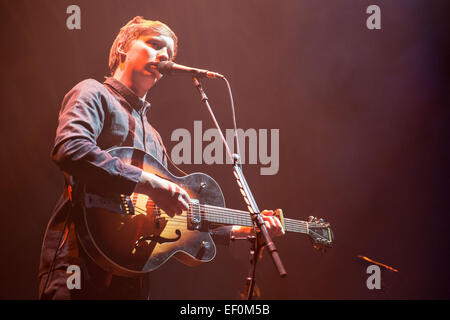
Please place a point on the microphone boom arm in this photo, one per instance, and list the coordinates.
(256, 217)
(169, 68)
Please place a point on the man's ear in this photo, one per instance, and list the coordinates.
(121, 51)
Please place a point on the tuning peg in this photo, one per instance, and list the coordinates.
(321, 220)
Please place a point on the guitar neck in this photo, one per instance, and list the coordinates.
(225, 216)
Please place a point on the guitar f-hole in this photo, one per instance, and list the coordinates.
(157, 238)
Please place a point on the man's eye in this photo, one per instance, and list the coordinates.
(153, 43)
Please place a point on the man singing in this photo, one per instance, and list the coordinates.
(95, 117)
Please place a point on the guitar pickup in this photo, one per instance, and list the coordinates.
(194, 219)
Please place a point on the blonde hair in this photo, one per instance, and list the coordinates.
(132, 31)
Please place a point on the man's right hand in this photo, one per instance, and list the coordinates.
(166, 194)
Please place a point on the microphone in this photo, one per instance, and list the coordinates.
(168, 67)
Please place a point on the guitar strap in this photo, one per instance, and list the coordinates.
(72, 193)
(165, 151)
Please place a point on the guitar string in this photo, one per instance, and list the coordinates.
(223, 212)
(183, 221)
(233, 217)
(219, 213)
(225, 216)
(291, 225)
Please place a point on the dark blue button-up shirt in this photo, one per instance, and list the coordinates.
(95, 117)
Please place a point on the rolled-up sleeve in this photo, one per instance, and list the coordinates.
(76, 152)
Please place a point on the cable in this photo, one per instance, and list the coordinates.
(60, 243)
(230, 94)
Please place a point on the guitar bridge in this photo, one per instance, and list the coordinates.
(194, 215)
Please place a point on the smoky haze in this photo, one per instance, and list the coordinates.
(362, 118)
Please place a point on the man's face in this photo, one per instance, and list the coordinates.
(145, 52)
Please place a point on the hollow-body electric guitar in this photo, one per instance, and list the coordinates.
(130, 235)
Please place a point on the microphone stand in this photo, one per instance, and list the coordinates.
(262, 237)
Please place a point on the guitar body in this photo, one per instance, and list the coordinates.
(129, 236)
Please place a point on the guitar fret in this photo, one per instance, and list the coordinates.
(227, 216)
(236, 217)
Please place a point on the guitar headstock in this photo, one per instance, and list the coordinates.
(320, 233)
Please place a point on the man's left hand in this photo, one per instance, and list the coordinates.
(271, 221)
(273, 224)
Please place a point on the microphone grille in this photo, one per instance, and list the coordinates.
(165, 67)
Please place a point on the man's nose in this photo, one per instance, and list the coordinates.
(162, 55)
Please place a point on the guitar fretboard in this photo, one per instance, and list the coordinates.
(227, 216)
(218, 215)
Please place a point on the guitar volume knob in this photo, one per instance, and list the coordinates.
(205, 244)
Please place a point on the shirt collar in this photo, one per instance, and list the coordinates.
(130, 97)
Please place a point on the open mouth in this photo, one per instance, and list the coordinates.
(152, 67)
